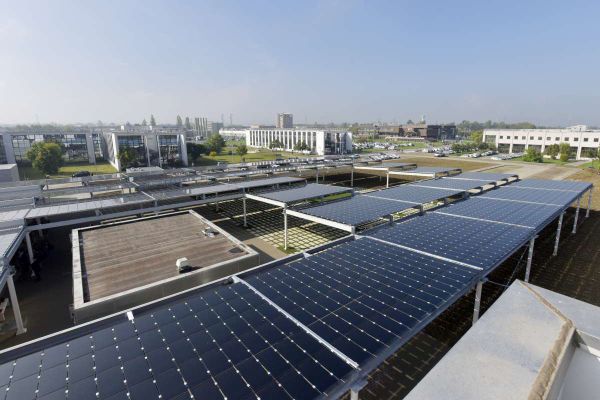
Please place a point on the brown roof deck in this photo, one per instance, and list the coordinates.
(125, 256)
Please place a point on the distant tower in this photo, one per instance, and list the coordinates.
(230, 119)
(285, 121)
(422, 119)
(222, 119)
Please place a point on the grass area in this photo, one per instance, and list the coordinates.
(546, 161)
(446, 162)
(592, 164)
(290, 249)
(261, 155)
(28, 172)
(592, 176)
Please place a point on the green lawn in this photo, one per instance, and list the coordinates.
(592, 164)
(28, 172)
(546, 161)
(261, 155)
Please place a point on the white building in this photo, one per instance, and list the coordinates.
(583, 141)
(320, 142)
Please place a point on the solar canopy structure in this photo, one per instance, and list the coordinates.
(386, 167)
(497, 177)
(428, 172)
(312, 325)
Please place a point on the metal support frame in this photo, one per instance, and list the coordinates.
(14, 302)
(576, 216)
(29, 248)
(557, 239)
(477, 306)
(244, 207)
(356, 388)
(285, 228)
(317, 178)
(589, 205)
(387, 179)
(529, 259)
(39, 221)
(352, 177)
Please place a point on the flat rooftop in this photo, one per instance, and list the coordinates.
(128, 255)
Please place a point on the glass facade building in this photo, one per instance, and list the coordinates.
(74, 146)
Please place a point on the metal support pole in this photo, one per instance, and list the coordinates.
(387, 180)
(587, 213)
(391, 219)
(576, 215)
(244, 206)
(285, 229)
(352, 177)
(356, 388)
(217, 206)
(421, 210)
(560, 220)
(14, 302)
(39, 222)
(317, 175)
(29, 248)
(477, 301)
(529, 258)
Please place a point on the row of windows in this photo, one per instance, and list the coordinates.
(548, 138)
(74, 146)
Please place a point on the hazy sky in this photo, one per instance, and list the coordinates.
(116, 61)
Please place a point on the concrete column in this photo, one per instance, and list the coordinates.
(529, 259)
(560, 220)
(29, 248)
(477, 306)
(587, 213)
(244, 206)
(510, 148)
(576, 216)
(285, 229)
(387, 179)
(182, 150)
(14, 302)
(579, 149)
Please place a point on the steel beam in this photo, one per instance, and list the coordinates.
(529, 259)
(477, 306)
(352, 177)
(285, 229)
(560, 221)
(387, 179)
(576, 216)
(29, 248)
(14, 302)
(589, 205)
(244, 207)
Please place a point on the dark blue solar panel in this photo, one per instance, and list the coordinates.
(431, 170)
(479, 243)
(364, 295)
(415, 194)
(456, 184)
(553, 185)
(223, 343)
(308, 191)
(357, 210)
(560, 198)
(482, 176)
(512, 212)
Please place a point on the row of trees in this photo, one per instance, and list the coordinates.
(188, 124)
(298, 146)
(468, 147)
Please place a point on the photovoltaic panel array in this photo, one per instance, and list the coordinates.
(552, 185)
(428, 170)
(478, 243)
(309, 191)
(364, 297)
(221, 343)
(415, 194)
(357, 210)
(482, 176)
(452, 184)
(535, 196)
(509, 212)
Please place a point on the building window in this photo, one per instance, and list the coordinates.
(585, 139)
(2, 152)
(596, 140)
(74, 146)
(99, 146)
(530, 137)
(566, 139)
(547, 137)
(501, 137)
(523, 137)
(576, 139)
(557, 139)
(539, 138)
(516, 137)
(136, 143)
(169, 150)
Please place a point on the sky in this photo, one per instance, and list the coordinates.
(326, 61)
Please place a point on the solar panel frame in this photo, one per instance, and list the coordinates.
(495, 177)
(536, 196)
(309, 191)
(544, 184)
(415, 194)
(462, 185)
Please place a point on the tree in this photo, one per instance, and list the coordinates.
(410, 122)
(215, 143)
(144, 123)
(533, 155)
(152, 120)
(276, 144)
(188, 125)
(565, 152)
(242, 150)
(45, 157)
(127, 157)
(477, 136)
(195, 150)
(179, 121)
(552, 151)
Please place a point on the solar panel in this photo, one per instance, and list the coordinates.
(511, 212)
(552, 185)
(414, 194)
(363, 296)
(89, 205)
(357, 210)
(482, 176)
(477, 243)
(267, 182)
(428, 170)
(560, 198)
(459, 185)
(222, 343)
(309, 191)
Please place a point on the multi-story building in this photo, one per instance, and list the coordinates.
(584, 142)
(318, 141)
(424, 131)
(214, 127)
(155, 146)
(285, 121)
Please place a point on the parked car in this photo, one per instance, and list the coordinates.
(81, 174)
